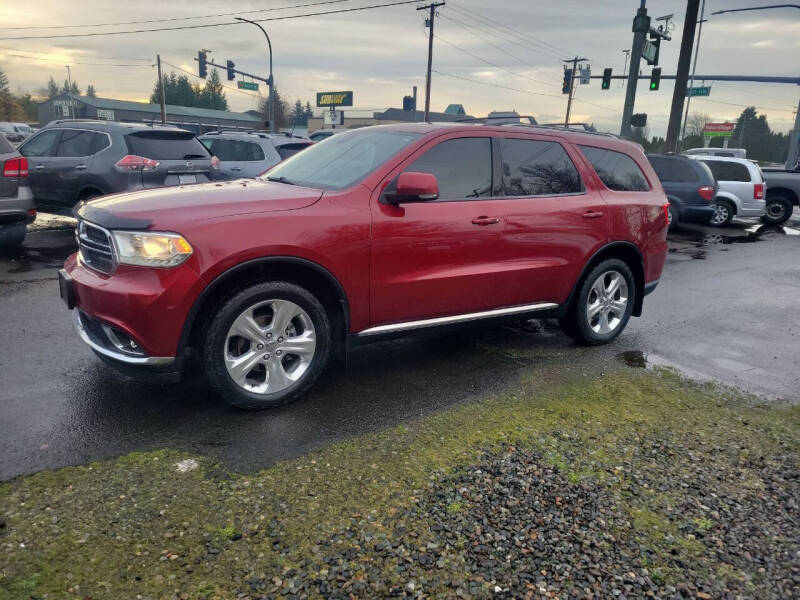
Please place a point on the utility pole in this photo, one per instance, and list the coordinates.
(574, 62)
(271, 81)
(69, 92)
(694, 70)
(794, 142)
(162, 94)
(414, 114)
(641, 25)
(682, 75)
(432, 7)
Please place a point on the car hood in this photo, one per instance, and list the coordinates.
(172, 206)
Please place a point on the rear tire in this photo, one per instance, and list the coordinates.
(266, 345)
(723, 213)
(602, 304)
(12, 236)
(779, 210)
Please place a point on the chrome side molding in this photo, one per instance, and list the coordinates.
(487, 314)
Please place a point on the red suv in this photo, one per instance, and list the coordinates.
(370, 233)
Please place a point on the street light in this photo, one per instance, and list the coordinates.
(730, 10)
(271, 84)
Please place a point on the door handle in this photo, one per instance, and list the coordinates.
(80, 167)
(592, 214)
(236, 168)
(485, 220)
(38, 168)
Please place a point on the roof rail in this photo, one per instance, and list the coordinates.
(59, 121)
(562, 128)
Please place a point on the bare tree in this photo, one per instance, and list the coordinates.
(696, 122)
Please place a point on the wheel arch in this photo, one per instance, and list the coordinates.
(733, 199)
(89, 187)
(313, 276)
(625, 251)
(784, 192)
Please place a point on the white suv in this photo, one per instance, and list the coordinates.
(741, 188)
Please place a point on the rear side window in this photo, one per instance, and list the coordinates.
(536, 168)
(235, 150)
(287, 150)
(673, 169)
(41, 145)
(165, 145)
(728, 171)
(463, 167)
(617, 170)
(5, 145)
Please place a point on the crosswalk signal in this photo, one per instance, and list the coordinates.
(202, 67)
(231, 73)
(655, 79)
(567, 81)
(606, 79)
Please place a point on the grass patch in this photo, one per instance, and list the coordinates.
(136, 526)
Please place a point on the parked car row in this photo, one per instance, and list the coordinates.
(16, 132)
(16, 200)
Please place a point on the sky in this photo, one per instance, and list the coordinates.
(488, 54)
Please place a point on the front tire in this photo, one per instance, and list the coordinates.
(602, 305)
(779, 209)
(723, 213)
(266, 345)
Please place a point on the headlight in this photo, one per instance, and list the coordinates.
(151, 248)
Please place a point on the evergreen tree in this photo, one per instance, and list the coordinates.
(74, 89)
(213, 94)
(28, 105)
(299, 118)
(10, 110)
(52, 88)
(90, 91)
(309, 111)
(3, 81)
(177, 91)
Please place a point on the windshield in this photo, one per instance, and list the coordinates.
(341, 160)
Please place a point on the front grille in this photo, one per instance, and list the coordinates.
(95, 247)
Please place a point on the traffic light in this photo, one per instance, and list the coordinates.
(606, 79)
(638, 119)
(409, 104)
(202, 67)
(567, 81)
(231, 73)
(655, 79)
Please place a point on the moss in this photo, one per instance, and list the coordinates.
(137, 526)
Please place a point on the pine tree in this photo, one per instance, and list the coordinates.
(298, 115)
(90, 91)
(309, 111)
(74, 89)
(3, 81)
(52, 88)
(213, 94)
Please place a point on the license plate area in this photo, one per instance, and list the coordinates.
(183, 179)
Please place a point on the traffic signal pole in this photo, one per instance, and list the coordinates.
(161, 96)
(682, 75)
(571, 86)
(641, 25)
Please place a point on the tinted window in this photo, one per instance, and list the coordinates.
(41, 144)
(235, 150)
(617, 170)
(536, 168)
(75, 143)
(5, 145)
(287, 150)
(101, 142)
(166, 145)
(728, 171)
(343, 160)
(673, 169)
(463, 167)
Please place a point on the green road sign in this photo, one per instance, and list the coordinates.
(334, 98)
(698, 91)
(247, 85)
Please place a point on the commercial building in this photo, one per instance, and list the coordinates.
(199, 120)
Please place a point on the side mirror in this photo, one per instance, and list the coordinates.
(414, 187)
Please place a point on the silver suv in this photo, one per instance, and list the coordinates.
(250, 154)
(741, 188)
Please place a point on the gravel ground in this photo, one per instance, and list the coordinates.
(630, 486)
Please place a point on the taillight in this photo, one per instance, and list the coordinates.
(16, 167)
(31, 212)
(706, 192)
(214, 162)
(758, 191)
(666, 212)
(132, 162)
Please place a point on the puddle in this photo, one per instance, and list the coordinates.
(41, 250)
(633, 358)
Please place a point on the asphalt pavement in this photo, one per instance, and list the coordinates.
(725, 311)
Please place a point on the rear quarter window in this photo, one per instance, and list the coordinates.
(617, 170)
(166, 145)
(680, 170)
(287, 150)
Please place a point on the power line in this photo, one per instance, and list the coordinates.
(244, 12)
(233, 89)
(208, 25)
(740, 105)
(72, 62)
(497, 85)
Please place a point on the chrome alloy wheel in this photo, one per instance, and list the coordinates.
(269, 346)
(721, 214)
(607, 302)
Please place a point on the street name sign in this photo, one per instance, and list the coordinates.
(247, 85)
(698, 91)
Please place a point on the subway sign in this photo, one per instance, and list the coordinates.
(334, 98)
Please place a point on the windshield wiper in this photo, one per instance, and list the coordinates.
(281, 179)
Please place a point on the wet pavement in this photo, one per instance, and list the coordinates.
(725, 311)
